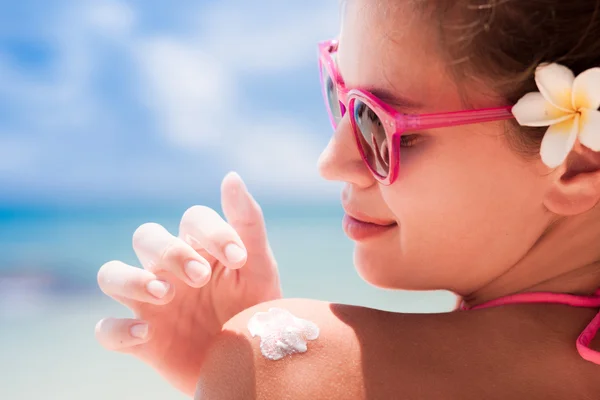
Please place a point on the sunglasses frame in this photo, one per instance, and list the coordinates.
(395, 123)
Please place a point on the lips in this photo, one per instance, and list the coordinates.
(369, 220)
(359, 231)
(361, 227)
(361, 217)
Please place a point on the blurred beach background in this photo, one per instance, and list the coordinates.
(116, 113)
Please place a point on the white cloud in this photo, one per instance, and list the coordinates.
(60, 101)
(194, 98)
(111, 17)
(281, 154)
(188, 89)
(189, 82)
(191, 85)
(284, 37)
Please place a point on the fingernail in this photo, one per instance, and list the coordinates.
(196, 271)
(158, 289)
(234, 253)
(139, 331)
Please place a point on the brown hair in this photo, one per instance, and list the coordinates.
(501, 42)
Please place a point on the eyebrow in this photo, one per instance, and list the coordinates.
(394, 99)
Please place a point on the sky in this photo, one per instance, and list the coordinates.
(105, 101)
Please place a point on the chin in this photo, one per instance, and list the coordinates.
(374, 270)
(386, 271)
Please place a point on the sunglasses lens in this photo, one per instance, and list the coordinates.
(330, 92)
(372, 137)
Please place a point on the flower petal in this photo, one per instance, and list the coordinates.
(534, 110)
(589, 129)
(586, 90)
(555, 82)
(558, 141)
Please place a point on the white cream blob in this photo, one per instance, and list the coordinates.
(281, 333)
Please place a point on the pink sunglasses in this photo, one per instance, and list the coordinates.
(377, 126)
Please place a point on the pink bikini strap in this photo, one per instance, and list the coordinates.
(586, 337)
(588, 334)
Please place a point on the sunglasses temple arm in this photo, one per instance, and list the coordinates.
(443, 120)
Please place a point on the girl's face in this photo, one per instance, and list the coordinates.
(466, 206)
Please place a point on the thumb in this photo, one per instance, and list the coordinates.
(244, 214)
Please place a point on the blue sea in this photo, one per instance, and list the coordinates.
(49, 302)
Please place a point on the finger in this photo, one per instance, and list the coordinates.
(204, 228)
(246, 217)
(158, 250)
(243, 212)
(121, 334)
(121, 281)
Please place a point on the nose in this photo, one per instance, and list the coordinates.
(341, 160)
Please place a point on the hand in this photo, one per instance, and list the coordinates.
(190, 285)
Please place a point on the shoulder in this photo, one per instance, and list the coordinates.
(360, 353)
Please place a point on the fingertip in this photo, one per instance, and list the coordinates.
(159, 289)
(233, 181)
(236, 255)
(121, 334)
(103, 328)
(198, 273)
(98, 327)
(233, 175)
(101, 333)
(104, 272)
(238, 204)
(139, 331)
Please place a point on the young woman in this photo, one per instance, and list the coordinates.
(467, 133)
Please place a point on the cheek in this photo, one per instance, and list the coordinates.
(457, 213)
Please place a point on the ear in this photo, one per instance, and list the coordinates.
(575, 187)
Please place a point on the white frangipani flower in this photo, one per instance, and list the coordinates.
(568, 105)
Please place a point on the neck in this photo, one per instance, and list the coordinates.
(566, 259)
